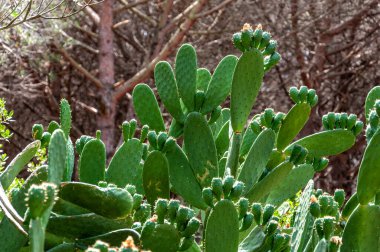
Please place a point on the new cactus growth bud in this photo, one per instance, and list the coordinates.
(271, 227)
(126, 129)
(319, 227)
(246, 36)
(192, 227)
(258, 37)
(303, 93)
(331, 120)
(161, 140)
(236, 39)
(343, 120)
(328, 227)
(137, 200)
(265, 38)
(208, 197)
(182, 217)
(318, 192)
(271, 61)
(152, 138)
(351, 121)
(148, 228)
(173, 207)
(243, 205)
(169, 144)
(271, 48)
(237, 190)
(37, 131)
(293, 93)
(358, 127)
(144, 133)
(267, 213)
(324, 203)
(315, 209)
(160, 209)
(373, 119)
(268, 117)
(257, 211)
(247, 222)
(339, 196)
(337, 121)
(228, 183)
(217, 187)
(255, 126)
(132, 128)
(53, 125)
(45, 139)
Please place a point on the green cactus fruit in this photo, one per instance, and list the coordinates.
(301, 157)
(270, 48)
(220, 85)
(192, 227)
(255, 126)
(246, 222)
(222, 234)
(246, 83)
(18, 163)
(161, 140)
(265, 38)
(258, 156)
(146, 107)
(331, 120)
(335, 243)
(319, 227)
(115, 202)
(168, 91)
(294, 94)
(132, 128)
(228, 183)
(156, 177)
(243, 205)
(303, 92)
(152, 138)
(372, 97)
(53, 125)
(186, 243)
(325, 123)
(246, 36)
(369, 176)
(35, 201)
(271, 227)
(268, 117)
(311, 93)
(65, 117)
(315, 209)
(81, 142)
(257, 211)
(183, 216)
(137, 200)
(208, 197)
(337, 121)
(339, 196)
(217, 187)
(130, 188)
(326, 143)
(142, 213)
(92, 162)
(267, 213)
(358, 128)
(324, 203)
(169, 144)
(215, 114)
(186, 74)
(343, 120)
(37, 131)
(200, 148)
(328, 227)
(183, 180)
(277, 121)
(236, 40)
(124, 167)
(278, 242)
(203, 79)
(125, 130)
(144, 133)
(351, 121)
(320, 164)
(173, 207)
(161, 209)
(295, 153)
(237, 190)
(292, 124)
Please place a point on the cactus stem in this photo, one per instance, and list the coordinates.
(233, 156)
(37, 235)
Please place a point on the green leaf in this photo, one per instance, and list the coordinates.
(146, 107)
(293, 123)
(246, 83)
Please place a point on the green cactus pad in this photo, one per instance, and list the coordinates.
(167, 90)
(248, 139)
(57, 157)
(124, 167)
(257, 159)
(369, 171)
(350, 206)
(186, 74)
(63, 207)
(246, 84)
(18, 163)
(203, 79)
(220, 84)
(156, 177)
(84, 225)
(254, 241)
(92, 162)
(264, 186)
(362, 230)
(222, 232)
(110, 202)
(291, 184)
(293, 123)
(113, 238)
(70, 158)
(372, 96)
(326, 143)
(222, 140)
(146, 107)
(65, 117)
(200, 148)
(164, 238)
(182, 177)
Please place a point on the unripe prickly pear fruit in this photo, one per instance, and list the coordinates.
(39, 198)
(144, 133)
(324, 203)
(315, 209)
(45, 139)
(160, 209)
(243, 205)
(328, 227)
(337, 120)
(53, 125)
(318, 192)
(311, 93)
(301, 157)
(173, 207)
(320, 164)
(268, 212)
(237, 190)
(339, 196)
(192, 227)
(137, 200)
(271, 227)
(331, 120)
(257, 36)
(228, 183)
(246, 36)
(351, 121)
(125, 129)
(271, 47)
(265, 38)
(277, 121)
(148, 229)
(319, 227)
(208, 196)
(255, 126)
(161, 140)
(236, 39)
(313, 102)
(37, 131)
(257, 211)
(199, 99)
(131, 189)
(170, 143)
(215, 114)
(186, 243)
(296, 151)
(358, 128)
(268, 117)
(278, 242)
(271, 61)
(182, 217)
(373, 119)
(142, 213)
(152, 138)
(294, 94)
(217, 187)
(247, 222)
(303, 93)
(343, 120)
(325, 123)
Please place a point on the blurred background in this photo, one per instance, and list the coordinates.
(95, 57)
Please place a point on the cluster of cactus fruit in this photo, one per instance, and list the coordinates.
(209, 182)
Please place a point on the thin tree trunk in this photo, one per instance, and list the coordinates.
(106, 119)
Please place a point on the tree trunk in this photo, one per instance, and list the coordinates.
(106, 118)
